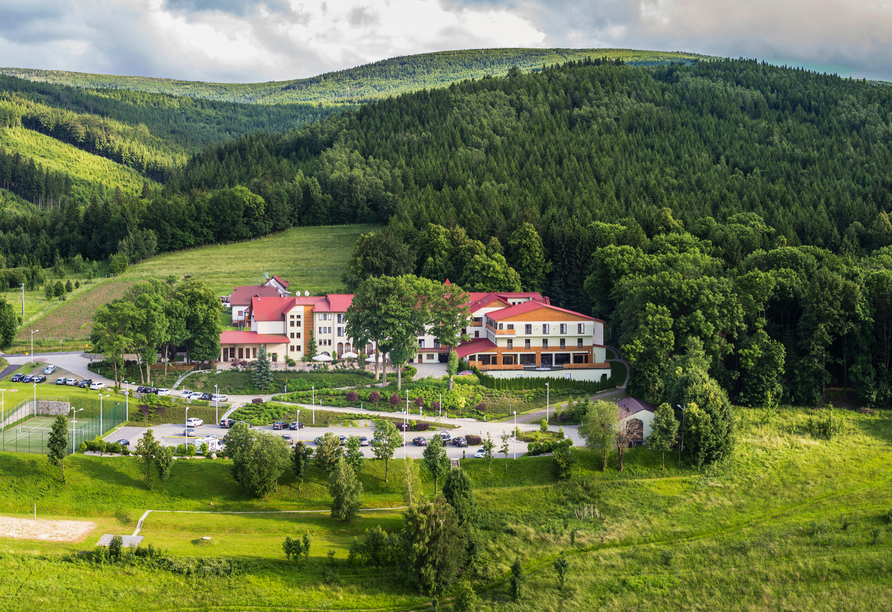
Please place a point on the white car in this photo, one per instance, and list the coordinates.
(49, 369)
(186, 393)
(163, 392)
(195, 395)
(97, 386)
(219, 398)
(194, 422)
(480, 454)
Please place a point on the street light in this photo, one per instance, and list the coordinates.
(297, 418)
(186, 431)
(314, 403)
(33, 331)
(515, 435)
(680, 446)
(440, 406)
(74, 429)
(217, 406)
(35, 399)
(101, 430)
(3, 406)
(547, 400)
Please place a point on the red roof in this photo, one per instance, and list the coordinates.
(526, 307)
(274, 308)
(249, 337)
(474, 346)
(284, 283)
(241, 296)
(336, 302)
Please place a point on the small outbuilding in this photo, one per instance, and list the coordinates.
(638, 416)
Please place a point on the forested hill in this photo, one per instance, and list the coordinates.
(735, 202)
(373, 81)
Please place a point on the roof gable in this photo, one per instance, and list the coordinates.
(241, 296)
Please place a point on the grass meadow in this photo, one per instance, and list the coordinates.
(790, 522)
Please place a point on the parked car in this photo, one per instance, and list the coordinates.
(85, 383)
(245, 423)
(227, 423)
(189, 431)
(206, 397)
(480, 453)
(195, 395)
(279, 425)
(219, 398)
(296, 425)
(445, 435)
(123, 442)
(96, 386)
(17, 378)
(71, 382)
(163, 392)
(459, 441)
(343, 440)
(28, 378)
(39, 378)
(288, 438)
(317, 440)
(49, 369)
(194, 422)
(420, 441)
(363, 441)
(186, 393)
(59, 381)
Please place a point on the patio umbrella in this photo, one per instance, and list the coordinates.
(349, 355)
(321, 358)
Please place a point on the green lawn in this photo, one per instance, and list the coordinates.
(310, 258)
(790, 522)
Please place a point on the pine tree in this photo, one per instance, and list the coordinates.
(262, 375)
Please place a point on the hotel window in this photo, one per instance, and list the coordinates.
(320, 330)
(511, 326)
(578, 342)
(510, 344)
(526, 344)
(581, 328)
(297, 335)
(563, 343)
(321, 317)
(545, 344)
(292, 323)
(340, 319)
(545, 328)
(297, 348)
(340, 331)
(292, 334)
(420, 343)
(528, 328)
(563, 328)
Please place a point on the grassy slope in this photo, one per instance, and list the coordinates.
(86, 170)
(762, 533)
(311, 258)
(380, 79)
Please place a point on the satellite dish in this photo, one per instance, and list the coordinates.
(306, 294)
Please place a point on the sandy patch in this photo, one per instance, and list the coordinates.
(40, 529)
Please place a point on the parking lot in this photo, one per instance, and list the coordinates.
(173, 434)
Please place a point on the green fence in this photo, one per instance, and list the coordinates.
(88, 422)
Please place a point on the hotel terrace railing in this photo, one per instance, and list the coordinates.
(501, 332)
(543, 368)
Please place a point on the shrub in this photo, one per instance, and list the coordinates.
(352, 396)
(481, 407)
(395, 399)
(256, 400)
(422, 426)
(374, 397)
(473, 440)
(419, 402)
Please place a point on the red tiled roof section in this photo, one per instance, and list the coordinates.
(526, 307)
(284, 283)
(241, 296)
(474, 346)
(249, 337)
(630, 405)
(274, 308)
(337, 302)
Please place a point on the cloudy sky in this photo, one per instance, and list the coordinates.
(263, 40)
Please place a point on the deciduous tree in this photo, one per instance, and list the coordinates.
(386, 440)
(58, 443)
(345, 490)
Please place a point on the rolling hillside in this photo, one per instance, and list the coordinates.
(356, 85)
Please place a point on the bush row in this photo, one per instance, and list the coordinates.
(539, 448)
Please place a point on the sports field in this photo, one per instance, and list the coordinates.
(33, 435)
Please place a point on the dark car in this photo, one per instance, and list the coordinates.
(245, 423)
(206, 397)
(227, 423)
(122, 442)
(445, 435)
(459, 442)
(39, 378)
(296, 425)
(85, 383)
(17, 377)
(420, 441)
(27, 378)
(279, 425)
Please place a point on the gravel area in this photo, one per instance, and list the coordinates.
(47, 530)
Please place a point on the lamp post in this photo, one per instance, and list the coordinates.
(407, 403)
(314, 403)
(547, 400)
(101, 430)
(33, 331)
(74, 429)
(684, 413)
(186, 431)
(297, 418)
(35, 399)
(515, 435)
(217, 404)
(440, 412)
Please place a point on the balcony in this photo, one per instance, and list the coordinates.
(501, 332)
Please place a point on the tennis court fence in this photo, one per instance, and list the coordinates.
(32, 434)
